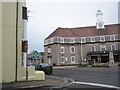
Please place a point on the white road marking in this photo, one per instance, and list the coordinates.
(96, 84)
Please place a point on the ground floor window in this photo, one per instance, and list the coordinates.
(62, 59)
(100, 59)
(49, 60)
(73, 59)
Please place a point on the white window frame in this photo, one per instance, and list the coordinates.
(83, 40)
(102, 46)
(112, 37)
(62, 48)
(92, 48)
(62, 59)
(51, 40)
(71, 49)
(114, 47)
(72, 40)
(102, 38)
(49, 60)
(48, 41)
(45, 42)
(92, 39)
(49, 50)
(72, 59)
(58, 39)
(61, 40)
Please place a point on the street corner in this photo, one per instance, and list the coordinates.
(49, 82)
(61, 81)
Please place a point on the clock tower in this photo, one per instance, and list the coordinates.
(99, 20)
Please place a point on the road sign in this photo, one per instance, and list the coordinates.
(35, 54)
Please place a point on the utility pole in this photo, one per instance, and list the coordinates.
(58, 52)
(24, 37)
(81, 52)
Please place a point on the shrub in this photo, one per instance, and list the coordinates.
(104, 65)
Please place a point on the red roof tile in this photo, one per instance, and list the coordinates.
(84, 31)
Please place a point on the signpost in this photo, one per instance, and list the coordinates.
(35, 55)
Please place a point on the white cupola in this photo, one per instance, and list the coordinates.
(99, 20)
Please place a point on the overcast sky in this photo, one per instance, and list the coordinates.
(46, 15)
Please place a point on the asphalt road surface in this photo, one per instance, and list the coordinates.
(89, 77)
(86, 78)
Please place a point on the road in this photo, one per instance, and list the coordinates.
(89, 77)
(85, 78)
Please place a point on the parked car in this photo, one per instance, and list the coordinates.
(44, 67)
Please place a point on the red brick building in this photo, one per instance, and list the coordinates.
(76, 45)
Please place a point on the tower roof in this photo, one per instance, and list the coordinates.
(99, 10)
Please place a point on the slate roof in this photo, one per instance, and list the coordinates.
(84, 31)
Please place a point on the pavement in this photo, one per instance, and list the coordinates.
(50, 81)
(62, 67)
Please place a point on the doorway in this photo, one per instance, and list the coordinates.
(94, 58)
(104, 59)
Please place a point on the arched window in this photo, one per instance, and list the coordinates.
(72, 40)
(92, 39)
(102, 38)
(62, 59)
(113, 47)
(61, 40)
(83, 40)
(112, 37)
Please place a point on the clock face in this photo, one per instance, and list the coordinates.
(100, 24)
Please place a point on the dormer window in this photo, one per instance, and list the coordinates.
(61, 40)
(58, 39)
(51, 40)
(72, 40)
(102, 38)
(45, 42)
(92, 39)
(112, 37)
(83, 40)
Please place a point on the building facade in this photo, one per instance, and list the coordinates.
(36, 59)
(13, 66)
(76, 45)
(11, 43)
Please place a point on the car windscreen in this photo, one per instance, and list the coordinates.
(44, 65)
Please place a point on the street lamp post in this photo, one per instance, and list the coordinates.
(81, 53)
